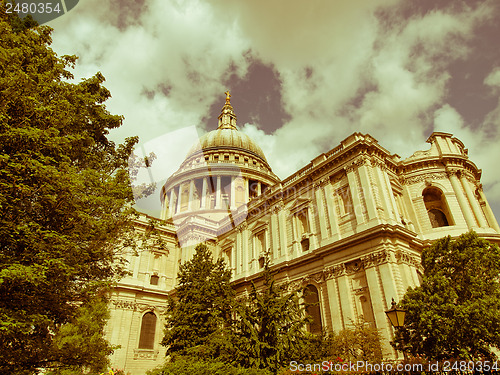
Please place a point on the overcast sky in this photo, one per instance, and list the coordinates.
(303, 74)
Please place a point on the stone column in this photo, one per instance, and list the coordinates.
(295, 236)
(378, 305)
(332, 214)
(408, 200)
(204, 194)
(320, 207)
(259, 188)
(388, 283)
(384, 192)
(368, 192)
(478, 213)
(239, 250)
(247, 190)
(282, 229)
(392, 199)
(191, 196)
(457, 189)
(233, 259)
(333, 301)
(274, 232)
(489, 213)
(314, 242)
(355, 195)
(346, 300)
(245, 255)
(218, 194)
(233, 194)
(171, 203)
(178, 210)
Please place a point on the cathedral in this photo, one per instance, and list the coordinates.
(349, 226)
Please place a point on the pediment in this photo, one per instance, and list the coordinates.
(299, 204)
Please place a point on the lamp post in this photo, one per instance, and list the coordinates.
(397, 317)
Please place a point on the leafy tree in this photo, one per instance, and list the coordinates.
(188, 366)
(362, 342)
(269, 328)
(66, 206)
(455, 313)
(81, 341)
(202, 306)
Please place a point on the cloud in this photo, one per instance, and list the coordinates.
(165, 66)
(493, 79)
(342, 66)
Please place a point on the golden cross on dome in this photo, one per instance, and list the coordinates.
(228, 97)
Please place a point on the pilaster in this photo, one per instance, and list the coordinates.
(473, 202)
(457, 189)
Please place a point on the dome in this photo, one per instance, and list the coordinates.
(226, 138)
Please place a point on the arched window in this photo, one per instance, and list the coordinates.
(437, 209)
(438, 218)
(311, 298)
(148, 329)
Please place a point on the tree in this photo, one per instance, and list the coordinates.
(188, 366)
(269, 328)
(202, 306)
(361, 342)
(455, 313)
(66, 206)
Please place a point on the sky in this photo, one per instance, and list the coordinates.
(303, 75)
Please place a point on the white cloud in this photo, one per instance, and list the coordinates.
(178, 55)
(341, 69)
(493, 79)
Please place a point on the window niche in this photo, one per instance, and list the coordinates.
(302, 226)
(154, 279)
(148, 331)
(437, 208)
(313, 308)
(345, 200)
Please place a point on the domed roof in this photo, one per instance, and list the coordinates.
(225, 138)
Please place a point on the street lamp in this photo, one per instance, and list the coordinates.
(397, 317)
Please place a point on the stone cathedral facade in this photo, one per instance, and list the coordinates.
(350, 226)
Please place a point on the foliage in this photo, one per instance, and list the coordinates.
(455, 313)
(201, 307)
(79, 340)
(269, 329)
(188, 366)
(66, 207)
(362, 342)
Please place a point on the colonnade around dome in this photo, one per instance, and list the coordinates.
(211, 193)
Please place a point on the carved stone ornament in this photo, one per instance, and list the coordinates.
(242, 227)
(146, 354)
(354, 266)
(361, 290)
(295, 285)
(427, 177)
(124, 305)
(407, 258)
(339, 270)
(377, 258)
(143, 307)
(317, 278)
